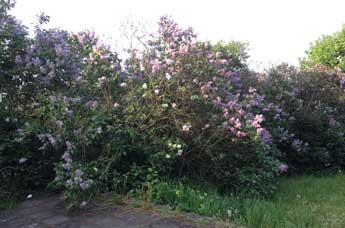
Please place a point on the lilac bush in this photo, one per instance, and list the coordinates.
(78, 117)
(183, 93)
(13, 40)
(58, 99)
(313, 101)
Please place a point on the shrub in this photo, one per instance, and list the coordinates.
(313, 101)
(78, 117)
(198, 120)
(65, 104)
(13, 40)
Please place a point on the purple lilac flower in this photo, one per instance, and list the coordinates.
(66, 100)
(283, 168)
(76, 100)
(84, 185)
(69, 112)
(43, 69)
(20, 132)
(78, 180)
(36, 61)
(91, 104)
(114, 66)
(297, 144)
(69, 145)
(51, 74)
(18, 60)
(53, 99)
(51, 139)
(169, 61)
(77, 131)
(333, 122)
(67, 166)
(155, 65)
(59, 123)
(78, 173)
(69, 183)
(66, 156)
(46, 136)
(342, 81)
(265, 135)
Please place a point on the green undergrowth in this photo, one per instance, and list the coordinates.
(304, 201)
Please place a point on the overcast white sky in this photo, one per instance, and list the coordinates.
(277, 30)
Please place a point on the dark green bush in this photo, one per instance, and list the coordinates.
(313, 101)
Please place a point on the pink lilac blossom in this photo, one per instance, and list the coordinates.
(156, 65)
(239, 107)
(183, 49)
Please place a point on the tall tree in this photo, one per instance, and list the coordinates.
(328, 51)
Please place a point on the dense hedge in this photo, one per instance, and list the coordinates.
(79, 118)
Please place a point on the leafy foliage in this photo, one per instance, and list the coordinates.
(328, 51)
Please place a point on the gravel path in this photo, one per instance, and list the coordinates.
(49, 212)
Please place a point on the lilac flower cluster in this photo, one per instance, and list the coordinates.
(47, 139)
(283, 168)
(76, 178)
(67, 165)
(283, 135)
(54, 60)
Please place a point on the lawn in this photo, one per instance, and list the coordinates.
(306, 201)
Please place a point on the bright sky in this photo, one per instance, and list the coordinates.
(277, 30)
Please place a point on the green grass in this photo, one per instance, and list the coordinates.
(300, 202)
(7, 202)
